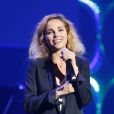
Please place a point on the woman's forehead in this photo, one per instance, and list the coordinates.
(55, 23)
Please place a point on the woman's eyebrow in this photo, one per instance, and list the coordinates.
(60, 27)
(50, 29)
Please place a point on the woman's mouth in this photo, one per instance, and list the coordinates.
(57, 40)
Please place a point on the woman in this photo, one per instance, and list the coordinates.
(58, 78)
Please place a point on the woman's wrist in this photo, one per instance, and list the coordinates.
(75, 67)
(57, 94)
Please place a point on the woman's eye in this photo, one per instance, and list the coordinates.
(49, 32)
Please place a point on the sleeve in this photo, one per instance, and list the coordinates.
(34, 102)
(82, 85)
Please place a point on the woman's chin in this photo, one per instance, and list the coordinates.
(58, 47)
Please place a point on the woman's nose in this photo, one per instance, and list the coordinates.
(56, 34)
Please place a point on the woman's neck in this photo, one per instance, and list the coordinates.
(56, 57)
(59, 62)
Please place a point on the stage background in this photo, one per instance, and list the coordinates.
(94, 21)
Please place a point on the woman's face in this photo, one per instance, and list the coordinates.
(56, 35)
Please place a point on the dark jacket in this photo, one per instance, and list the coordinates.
(40, 89)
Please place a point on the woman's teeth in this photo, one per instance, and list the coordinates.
(59, 40)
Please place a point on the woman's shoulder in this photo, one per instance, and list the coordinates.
(36, 61)
(81, 61)
(81, 58)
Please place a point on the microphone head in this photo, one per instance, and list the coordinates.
(73, 78)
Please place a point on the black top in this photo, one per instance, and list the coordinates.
(40, 88)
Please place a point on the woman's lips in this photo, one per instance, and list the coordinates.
(57, 40)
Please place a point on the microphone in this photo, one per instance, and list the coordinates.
(70, 70)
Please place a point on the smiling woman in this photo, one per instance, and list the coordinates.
(39, 47)
(49, 85)
(56, 34)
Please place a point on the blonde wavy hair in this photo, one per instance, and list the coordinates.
(38, 47)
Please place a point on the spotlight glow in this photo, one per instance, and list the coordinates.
(95, 59)
(92, 5)
(21, 87)
(96, 10)
(94, 84)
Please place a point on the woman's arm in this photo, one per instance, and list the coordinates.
(82, 84)
(32, 101)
